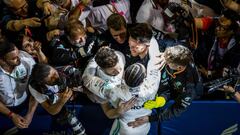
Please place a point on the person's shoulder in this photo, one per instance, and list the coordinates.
(191, 69)
(23, 54)
(27, 58)
(121, 57)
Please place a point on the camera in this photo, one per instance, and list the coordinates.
(67, 116)
(214, 85)
(180, 19)
(69, 77)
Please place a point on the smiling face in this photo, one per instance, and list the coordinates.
(119, 35)
(136, 48)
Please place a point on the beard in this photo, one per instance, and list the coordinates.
(14, 64)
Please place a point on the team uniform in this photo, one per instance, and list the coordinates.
(125, 93)
(182, 89)
(122, 93)
(13, 86)
(93, 72)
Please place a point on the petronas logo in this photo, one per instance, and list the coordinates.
(164, 75)
(231, 130)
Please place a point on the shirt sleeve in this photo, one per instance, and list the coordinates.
(180, 105)
(40, 98)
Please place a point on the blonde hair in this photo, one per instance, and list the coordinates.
(74, 28)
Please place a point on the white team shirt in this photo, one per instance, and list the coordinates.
(13, 85)
(93, 72)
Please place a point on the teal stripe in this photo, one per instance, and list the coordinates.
(115, 132)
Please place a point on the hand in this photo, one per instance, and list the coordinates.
(139, 121)
(161, 61)
(19, 121)
(227, 88)
(28, 118)
(225, 72)
(66, 95)
(52, 34)
(86, 2)
(123, 107)
(37, 46)
(90, 29)
(205, 72)
(227, 2)
(78, 89)
(159, 102)
(32, 22)
(48, 8)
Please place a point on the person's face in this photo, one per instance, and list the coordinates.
(12, 58)
(120, 35)
(79, 40)
(27, 45)
(19, 7)
(113, 71)
(175, 66)
(52, 78)
(222, 28)
(136, 48)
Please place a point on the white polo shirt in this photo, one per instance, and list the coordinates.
(13, 85)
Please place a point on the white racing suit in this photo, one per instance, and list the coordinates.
(122, 93)
(93, 76)
(146, 91)
(116, 92)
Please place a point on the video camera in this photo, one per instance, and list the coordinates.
(69, 77)
(214, 85)
(180, 18)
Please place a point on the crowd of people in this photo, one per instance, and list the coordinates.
(128, 56)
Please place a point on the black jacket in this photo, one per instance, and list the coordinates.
(182, 89)
(64, 53)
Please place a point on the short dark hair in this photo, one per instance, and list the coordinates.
(40, 72)
(106, 57)
(142, 32)
(6, 47)
(116, 21)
